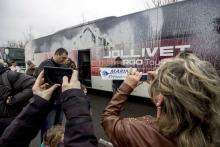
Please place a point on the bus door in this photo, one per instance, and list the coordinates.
(84, 67)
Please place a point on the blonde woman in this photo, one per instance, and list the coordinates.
(186, 92)
(54, 137)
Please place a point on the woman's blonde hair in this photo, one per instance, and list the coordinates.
(54, 135)
(190, 111)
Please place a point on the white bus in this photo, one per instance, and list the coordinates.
(141, 39)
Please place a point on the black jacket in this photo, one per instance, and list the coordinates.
(51, 63)
(21, 92)
(21, 86)
(78, 129)
(48, 62)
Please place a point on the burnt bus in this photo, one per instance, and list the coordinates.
(141, 39)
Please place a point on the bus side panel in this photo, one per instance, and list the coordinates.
(143, 39)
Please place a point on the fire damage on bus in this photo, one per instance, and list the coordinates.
(141, 39)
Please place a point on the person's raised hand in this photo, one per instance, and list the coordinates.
(151, 75)
(40, 88)
(133, 77)
(73, 83)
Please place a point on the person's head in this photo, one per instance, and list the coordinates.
(118, 61)
(29, 63)
(54, 136)
(13, 63)
(84, 89)
(70, 63)
(60, 56)
(186, 91)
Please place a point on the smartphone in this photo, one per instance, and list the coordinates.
(54, 75)
(144, 77)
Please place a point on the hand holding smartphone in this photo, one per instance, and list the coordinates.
(148, 77)
(144, 77)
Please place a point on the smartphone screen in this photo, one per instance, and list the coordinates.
(144, 77)
(54, 75)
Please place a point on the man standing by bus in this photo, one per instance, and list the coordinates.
(116, 83)
(56, 115)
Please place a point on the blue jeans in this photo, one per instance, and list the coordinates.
(53, 118)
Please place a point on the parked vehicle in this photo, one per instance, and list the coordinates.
(7, 54)
(141, 39)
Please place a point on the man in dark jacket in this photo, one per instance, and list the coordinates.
(19, 93)
(55, 116)
(58, 60)
(116, 83)
(78, 129)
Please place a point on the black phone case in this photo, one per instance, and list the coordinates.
(54, 75)
(144, 78)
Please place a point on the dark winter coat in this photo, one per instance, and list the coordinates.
(48, 62)
(51, 63)
(21, 85)
(78, 129)
(21, 93)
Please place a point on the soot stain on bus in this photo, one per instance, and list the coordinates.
(141, 39)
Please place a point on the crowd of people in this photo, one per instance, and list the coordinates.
(184, 89)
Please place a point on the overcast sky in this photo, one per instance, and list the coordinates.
(48, 16)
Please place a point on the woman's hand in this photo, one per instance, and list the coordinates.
(40, 88)
(133, 78)
(150, 76)
(74, 82)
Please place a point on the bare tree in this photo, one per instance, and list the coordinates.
(15, 44)
(158, 3)
(147, 4)
(83, 18)
(28, 35)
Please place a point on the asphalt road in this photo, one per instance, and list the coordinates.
(135, 107)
